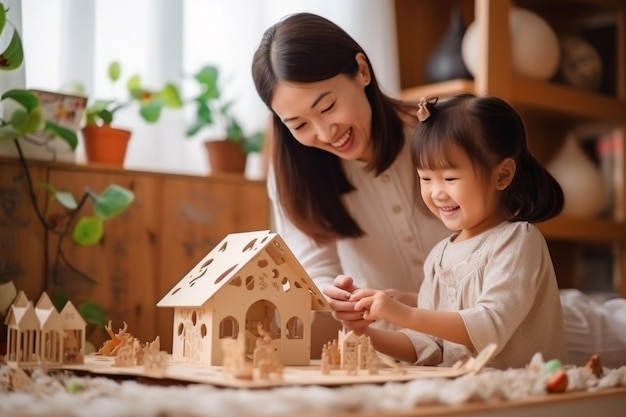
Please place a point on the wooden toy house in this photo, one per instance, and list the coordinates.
(248, 280)
(41, 336)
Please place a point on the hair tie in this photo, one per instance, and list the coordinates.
(424, 106)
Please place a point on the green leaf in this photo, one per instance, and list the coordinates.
(25, 98)
(3, 17)
(93, 313)
(134, 83)
(8, 132)
(65, 198)
(13, 56)
(26, 122)
(114, 71)
(106, 116)
(113, 201)
(88, 230)
(68, 135)
(255, 142)
(207, 75)
(171, 96)
(151, 110)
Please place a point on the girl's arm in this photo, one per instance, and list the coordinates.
(378, 305)
(392, 343)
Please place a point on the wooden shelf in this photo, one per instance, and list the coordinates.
(584, 230)
(550, 109)
(541, 95)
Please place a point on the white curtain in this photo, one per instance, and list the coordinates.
(68, 41)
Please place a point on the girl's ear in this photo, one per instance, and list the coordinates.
(364, 69)
(504, 173)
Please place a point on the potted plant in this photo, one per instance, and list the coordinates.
(106, 143)
(211, 110)
(26, 117)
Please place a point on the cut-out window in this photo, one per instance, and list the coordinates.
(180, 329)
(236, 281)
(203, 330)
(196, 277)
(297, 284)
(262, 263)
(286, 284)
(225, 273)
(223, 247)
(250, 282)
(295, 328)
(249, 246)
(194, 317)
(229, 328)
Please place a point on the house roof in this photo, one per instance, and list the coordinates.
(71, 317)
(224, 263)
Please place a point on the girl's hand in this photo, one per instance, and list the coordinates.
(378, 305)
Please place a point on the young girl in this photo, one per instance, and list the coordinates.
(493, 279)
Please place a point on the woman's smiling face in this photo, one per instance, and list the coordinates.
(333, 114)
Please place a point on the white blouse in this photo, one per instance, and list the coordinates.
(502, 282)
(398, 235)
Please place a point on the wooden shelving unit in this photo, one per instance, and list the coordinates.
(549, 108)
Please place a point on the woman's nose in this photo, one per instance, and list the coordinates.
(325, 132)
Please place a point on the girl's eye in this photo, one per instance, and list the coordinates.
(300, 126)
(450, 179)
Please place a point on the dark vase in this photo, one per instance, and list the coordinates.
(446, 60)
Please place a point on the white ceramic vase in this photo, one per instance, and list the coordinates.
(535, 49)
(583, 185)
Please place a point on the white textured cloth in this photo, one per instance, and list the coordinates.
(594, 327)
(398, 236)
(502, 282)
(70, 396)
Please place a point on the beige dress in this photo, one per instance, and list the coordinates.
(502, 282)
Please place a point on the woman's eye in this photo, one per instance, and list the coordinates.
(329, 108)
(300, 126)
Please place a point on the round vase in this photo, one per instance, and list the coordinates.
(535, 49)
(446, 60)
(580, 178)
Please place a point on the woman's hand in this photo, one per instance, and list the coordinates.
(338, 296)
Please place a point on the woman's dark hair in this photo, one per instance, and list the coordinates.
(306, 48)
(489, 130)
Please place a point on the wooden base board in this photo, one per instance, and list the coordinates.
(292, 375)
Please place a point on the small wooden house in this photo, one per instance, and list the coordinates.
(42, 335)
(249, 281)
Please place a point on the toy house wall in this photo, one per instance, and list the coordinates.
(193, 334)
(290, 300)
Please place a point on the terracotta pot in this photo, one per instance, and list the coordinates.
(106, 144)
(225, 156)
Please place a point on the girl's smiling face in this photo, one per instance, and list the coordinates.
(333, 114)
(461, 196)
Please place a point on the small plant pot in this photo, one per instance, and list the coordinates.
(106, 144)
(225, 156)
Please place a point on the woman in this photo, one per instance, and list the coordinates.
(341, 181)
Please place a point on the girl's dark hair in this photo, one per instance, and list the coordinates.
(306, 48)
(489, 130)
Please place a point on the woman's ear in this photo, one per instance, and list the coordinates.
(504, 173)
(364, 73)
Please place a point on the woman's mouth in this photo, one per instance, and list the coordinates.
(342, 140)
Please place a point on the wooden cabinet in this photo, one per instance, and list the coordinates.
(172, 223)
(549, 108)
